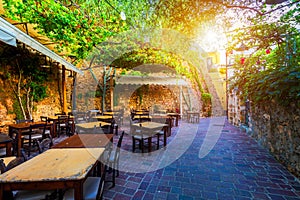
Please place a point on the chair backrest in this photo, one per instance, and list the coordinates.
(107, 129)
(2, 166)
(62, 119)
(80, 117)
(17, 161)
(24, 120)
(102, 183)
(118, 149)
(44, 118)
(39, 126)
(44, 145)
(120, 140)
(61, 113)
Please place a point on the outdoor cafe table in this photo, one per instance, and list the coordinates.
(19, 128)
(150, 127)
(91, 125)
(112, 113)
(191, 114)
(176, 115)
(53, 169)
(85, 141)
(104, 118)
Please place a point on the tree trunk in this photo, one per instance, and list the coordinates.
(17, 92)
(29, 103)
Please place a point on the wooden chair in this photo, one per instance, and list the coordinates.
(138, 136)
(2, 166)
(18, 121)
(70, 126)
(93, 188)
(80, 117)
(195, 118)
(44, 118)
(59, 114)
(44, 145)
(36, 132)
(62, 125)
(111, 160)
(107, 129)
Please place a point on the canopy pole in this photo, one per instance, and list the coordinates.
(64, 88)
(180, 98)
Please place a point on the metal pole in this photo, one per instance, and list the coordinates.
(226, 83)
(180, 98)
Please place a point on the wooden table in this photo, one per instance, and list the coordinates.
(104, 118)
(53, 169)
(6, 141)
(142, 118)
(90, 125)
(86, 141)
(191, 114)
(176, 115)
(19, 128)
(151, 127)
(113, 113)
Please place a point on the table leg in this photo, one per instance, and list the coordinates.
(115, 128)
(19, 141)
(149, 144)
(8, 149)
(1, 191)
(177, 119)
(165, 136)
(78, 191)
(54, 129)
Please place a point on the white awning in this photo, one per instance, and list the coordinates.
(26, 39)
(150, 80)
(7, 37)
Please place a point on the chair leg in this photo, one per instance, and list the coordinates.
(133, 144)
(142, 145)
(29, 146)
(157, 141)
(117, 168)
(113, 178)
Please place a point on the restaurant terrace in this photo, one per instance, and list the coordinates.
(149, 100)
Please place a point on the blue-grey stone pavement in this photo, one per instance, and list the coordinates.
(236, 168)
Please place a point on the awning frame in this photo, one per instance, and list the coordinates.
(26, 39)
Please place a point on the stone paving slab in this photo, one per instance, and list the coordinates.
(235, 168)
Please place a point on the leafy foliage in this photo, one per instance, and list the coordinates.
(74, 29)
(25, 78)
(77, 27)
(272, 71)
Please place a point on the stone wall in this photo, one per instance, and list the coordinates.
(278, 129)
(48, 106)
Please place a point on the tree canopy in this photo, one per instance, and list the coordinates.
(78, 26)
